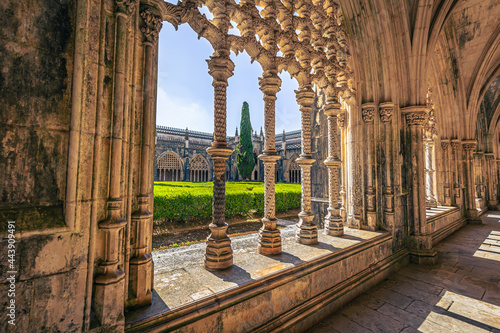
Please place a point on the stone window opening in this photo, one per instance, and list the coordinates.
(169, 167)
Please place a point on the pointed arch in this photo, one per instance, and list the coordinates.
(169, 167)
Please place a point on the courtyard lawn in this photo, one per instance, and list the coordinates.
(186, 201)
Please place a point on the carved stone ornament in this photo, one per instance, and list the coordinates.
(444, 145)
(152, 26)
(416, 118)
(386, 114)
(341, 120)
(368, 114)
(455, 146)
(468, 146)
(125, 6)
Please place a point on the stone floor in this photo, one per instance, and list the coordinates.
(460, 294)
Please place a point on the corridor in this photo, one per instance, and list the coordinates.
(460, 294)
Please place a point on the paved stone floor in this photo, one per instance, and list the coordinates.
(460, 294)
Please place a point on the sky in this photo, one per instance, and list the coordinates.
(185, 92)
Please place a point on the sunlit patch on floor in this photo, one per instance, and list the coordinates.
(490, 249)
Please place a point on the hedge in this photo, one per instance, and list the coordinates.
(184, 201)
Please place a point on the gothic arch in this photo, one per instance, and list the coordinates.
(293, 171)
(169, 167)
(199, 169)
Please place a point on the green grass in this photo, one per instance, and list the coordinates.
(185, 201)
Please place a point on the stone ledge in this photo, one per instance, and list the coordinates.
(260, 302)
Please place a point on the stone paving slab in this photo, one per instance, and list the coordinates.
(460, 294)
(181, 278)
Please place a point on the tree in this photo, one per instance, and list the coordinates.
(244, 149)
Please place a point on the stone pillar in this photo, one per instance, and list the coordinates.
(457, 174)
(386, 110)
(447, 179)
(334, 223)
(368, 113)
(269, 235)
(420, 242)
(491, 174)
(470, 203)
(341, 122)
(219, 254)
(110, 280)
(141, 265)
(307, 231)
(430, 199)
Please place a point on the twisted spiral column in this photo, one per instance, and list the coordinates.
(219, 254)
(307, 231)
(269, 235)
(334, 222)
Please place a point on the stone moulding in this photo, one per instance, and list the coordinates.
(340, 292)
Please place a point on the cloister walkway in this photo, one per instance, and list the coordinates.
(460, 294)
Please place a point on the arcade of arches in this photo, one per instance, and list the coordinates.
(400, 117)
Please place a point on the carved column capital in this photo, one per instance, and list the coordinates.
(368, 112)
(270, 83)
(445, 144)
(489, 156)
(152, 26)
(415, 115)
(455, 145)
(305, 97)
(386, 110)
(126, 7)
(469, 145)
(220, 66)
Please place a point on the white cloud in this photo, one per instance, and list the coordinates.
(176, 111)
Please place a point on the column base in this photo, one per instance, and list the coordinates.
(307, 231)
(109, 311)
(269, 238)
(473, 217)
(334, 225)
(371, 221)
(424, 257)
(219, 254)
(493, 205)
(389, 221)
(140, 273)
(447, 201)
(421, 250)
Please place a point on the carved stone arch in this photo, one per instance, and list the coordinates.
(293, 170)
(199, 169)
(169, 167)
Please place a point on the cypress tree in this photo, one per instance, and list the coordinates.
(244, 149)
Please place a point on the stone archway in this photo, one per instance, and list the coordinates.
(169, 167)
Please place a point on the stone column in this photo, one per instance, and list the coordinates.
(141, 265)
(269, 235)
(368, 113)
(457, 159)
(341, 122)
(470, 203)
(386, 110)
(219, 254)
(430, 198)
(446, 173)
(307, 231)
(334, 223)
(491, 180)
(420, 239)
(110, 279)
